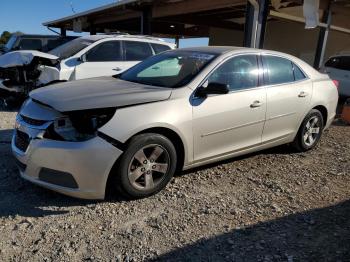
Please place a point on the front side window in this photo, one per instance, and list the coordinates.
(238, 73)
(30, 44)
(137, 51)
(278, 70)
(105, 52)
(71, 48)
(170, 69)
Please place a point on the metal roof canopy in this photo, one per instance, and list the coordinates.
(186, 18)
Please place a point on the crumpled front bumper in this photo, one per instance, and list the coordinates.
(14, 89)
(87, 163)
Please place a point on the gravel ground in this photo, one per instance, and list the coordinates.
(275, 205)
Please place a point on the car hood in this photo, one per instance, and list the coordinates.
(100, 92)
(25, 57)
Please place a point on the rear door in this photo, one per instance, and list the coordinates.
(105, 59)
(288, 96)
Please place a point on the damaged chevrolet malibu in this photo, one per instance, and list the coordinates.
(177, 110)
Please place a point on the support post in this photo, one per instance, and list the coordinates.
(262, 20)
(255, 23)
(92, 30)
(63, 31)
(146, 21)
(248, 26)
(323, 38)
(177, 41)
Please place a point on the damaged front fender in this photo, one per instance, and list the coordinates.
(23, 71)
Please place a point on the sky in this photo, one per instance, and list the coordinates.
(27, 16)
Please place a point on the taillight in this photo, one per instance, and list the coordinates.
(336, 83)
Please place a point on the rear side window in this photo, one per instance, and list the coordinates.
(237, 73)
(340, 62)
(137, 51)
(279, 70)
(158, 48)
(105, 52)
(30, 44)
(298, 74)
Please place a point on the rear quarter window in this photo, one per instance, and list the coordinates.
(298, 74)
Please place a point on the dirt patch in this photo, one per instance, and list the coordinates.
(270, 206)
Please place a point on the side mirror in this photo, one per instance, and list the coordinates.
(82, 58)
(212, 88)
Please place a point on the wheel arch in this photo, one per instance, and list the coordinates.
(172, 135)
(323, 110)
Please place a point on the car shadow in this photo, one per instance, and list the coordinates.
(315, 235)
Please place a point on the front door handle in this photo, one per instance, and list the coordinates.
(117, 69)
(303, 94)
(256, 104)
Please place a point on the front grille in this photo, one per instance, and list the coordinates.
(33, 122)
(21, 140)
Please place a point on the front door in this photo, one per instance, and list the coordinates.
(105, 59)
(230, 122)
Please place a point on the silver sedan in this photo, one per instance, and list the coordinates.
(177, 110)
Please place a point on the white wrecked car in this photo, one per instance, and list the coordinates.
(84, 57)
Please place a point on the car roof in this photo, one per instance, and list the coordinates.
(127, 36)
(43, 36)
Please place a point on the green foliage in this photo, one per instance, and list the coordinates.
(4, 37)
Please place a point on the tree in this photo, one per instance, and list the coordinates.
(5, 37)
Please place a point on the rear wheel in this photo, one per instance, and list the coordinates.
(146, 166)
(309, 132)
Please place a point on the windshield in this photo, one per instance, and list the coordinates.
(169, 69)
(10, 42)
(71, 48)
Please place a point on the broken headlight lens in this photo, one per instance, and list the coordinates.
(82, 125)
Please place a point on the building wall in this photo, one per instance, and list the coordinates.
(289, 37)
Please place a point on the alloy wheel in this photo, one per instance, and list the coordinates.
(312, 131)
(148, 167)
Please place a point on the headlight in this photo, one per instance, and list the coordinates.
(82, 125)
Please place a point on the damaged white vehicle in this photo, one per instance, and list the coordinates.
(84, 57)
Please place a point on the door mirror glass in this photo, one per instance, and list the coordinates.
(213, 88)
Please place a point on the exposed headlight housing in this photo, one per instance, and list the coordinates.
(80, 125)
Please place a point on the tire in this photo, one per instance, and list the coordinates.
(309, 127)
(146, 166)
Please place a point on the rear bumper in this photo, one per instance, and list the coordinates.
(87, 163)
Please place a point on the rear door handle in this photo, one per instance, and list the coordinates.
(256, 104)
(117, 69)
(303, 94)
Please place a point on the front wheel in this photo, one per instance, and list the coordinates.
(146, 166)
(310, 131)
